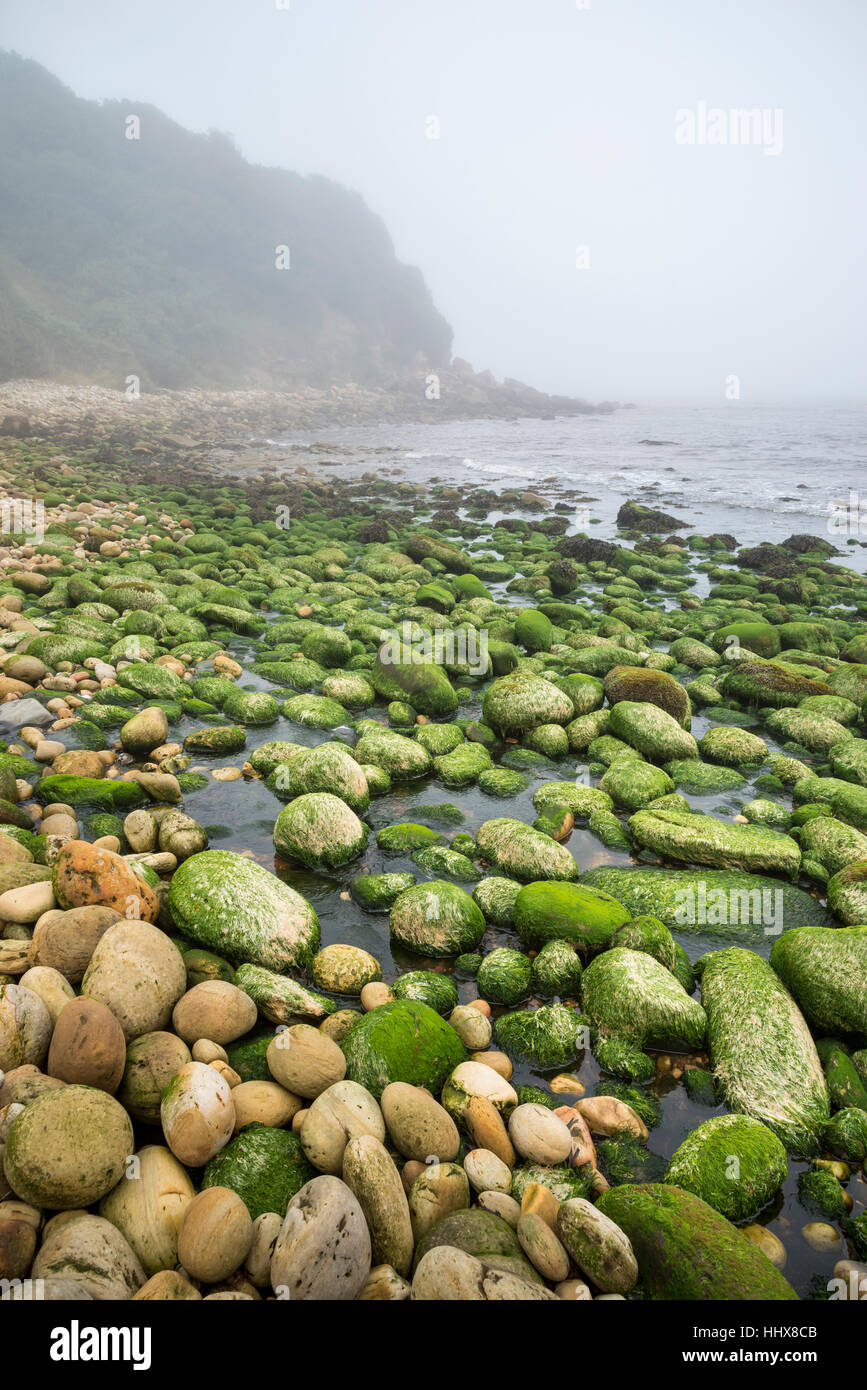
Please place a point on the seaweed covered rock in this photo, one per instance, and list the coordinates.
(229, 903)
(734, 1163)
(265, 1166)
(629, 993)
(523, 853)
(557, 970)
(687, 1251)
(423, 684)
(719, 900)
(550, 1036)
(436, 919)
(586, 916)
(401, 1041)
(847, 892)
(847, 801)
(651, 731)
(639, 684)
(780, 1082)
(504, 976)
(698, 839)
(521, 701)
(402, 758)
(825, 969)
(496, 897)
(320, 830)
(330, 767)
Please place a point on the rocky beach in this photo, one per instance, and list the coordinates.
(405, 892)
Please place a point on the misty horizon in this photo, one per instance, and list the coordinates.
(602, 204)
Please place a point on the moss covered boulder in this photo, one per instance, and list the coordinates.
(718, 900)
(825, 970)
(232, 905)
(429, 987)
(632, 784)
(557, 970)
(733, 748)
(639, 684)
(697, 839)
(550, 1036)
(847, 800)
(436, 919)
(651, 731)
(329, 767)
(402, 758)
(521, 701)
(523, 853)
(687, 1251)
(319, 830)
(496, 897)
(585, 916)
(423, 684)
(377, 892)
(628, 992)
(504, 976)
(734, 1163)
(265, 1166)
(404, 1040)
(763, 1054)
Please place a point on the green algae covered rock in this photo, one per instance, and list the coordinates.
(734, 1163)
(717, 900)
(92, 793)
(442, 862)
(496, 897)
(329, 767)
(697, 839)
(700, 779)
(320, 830)
(687, 1251)
(557, 970)
(633, 784)
(402, 758)
(763, 1055)
(849, 760)
(622, 1058)
(504, 976)
(377, 891)
(825, 969)
(550, 1036)
(629, 993)
(847, 800)
(280, 998)
(519, 702)
(574, 796)
(406, 837)
(251, 707)
(232, 905)
(846, 1134)
(814, 731)
(847, 893)
(423, 684)
(436, 919)
(733, 748)
(521, 852)
(586, 916)
(462, 766)
(315, 712)
(404, 1040)
(639, 684)
(429, 987)
(222, 739)
(651, 935)
(652, 732)
(483, 1234)
(265, 1166)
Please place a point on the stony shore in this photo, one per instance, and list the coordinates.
(378, 879)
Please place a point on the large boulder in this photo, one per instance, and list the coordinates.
(629, 993)
(401, 1041)
(519, 702)
(232, 905)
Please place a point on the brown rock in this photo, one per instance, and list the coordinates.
(487, 1130)
(88, 1047)
(67, 940)
(79, 762)
(87, 876)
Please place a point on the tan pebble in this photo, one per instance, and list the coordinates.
(487, 1129)
(497, 1061)
(227, 774)
(501, 1204)
(204, 1050)
(482, 1005)
(542, 1247)
(215, 1235)
(410, 1171)
(298, 1120)
(374, 995)
(573, 1290)
(567, 1083)
(108, 842)
(541, 1201)
(229, 1075)
(821, 1236)
(767, 1242)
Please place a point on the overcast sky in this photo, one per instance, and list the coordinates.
(558, 130)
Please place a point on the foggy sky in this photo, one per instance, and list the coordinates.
(557, 131)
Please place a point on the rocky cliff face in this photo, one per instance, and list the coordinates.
(130, 247)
